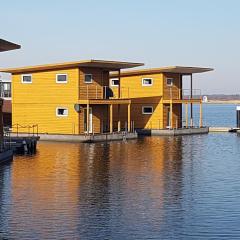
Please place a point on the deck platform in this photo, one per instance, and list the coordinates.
(173, 132)
(118, 136)
(22, 144)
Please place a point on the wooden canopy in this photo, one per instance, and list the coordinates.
(7, 46)
(108, 65)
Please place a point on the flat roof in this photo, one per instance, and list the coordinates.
(170, 69)
(7, 46)
(108, 65)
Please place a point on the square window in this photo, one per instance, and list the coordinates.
(62, 112)
(147, 110)
(88, 78)
(61, 78)
(114, 82)
(147, 82)
(169, 81)
(27, 78)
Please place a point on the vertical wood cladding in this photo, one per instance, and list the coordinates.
(94, 90)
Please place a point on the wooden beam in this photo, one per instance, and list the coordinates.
(87, 118)
(129, 117)
(111, 117)
(119, 83)
(119, 126)
(200, 115)
(171, 115)
(186, 114)
(191, 96)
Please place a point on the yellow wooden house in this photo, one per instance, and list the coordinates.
(157, 97)
(67, 98)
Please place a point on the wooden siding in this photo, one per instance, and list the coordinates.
(154, 96)
(44, 88)
(131, 87)
(44, 114)
(99, 118)
(140, 120)
(36, 102)
(94, 90)
(177, 115)
(173, 91)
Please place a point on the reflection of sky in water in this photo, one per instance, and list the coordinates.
(159, 188)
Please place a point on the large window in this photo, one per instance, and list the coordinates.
(27, 78)
(88, 78)
(114, 82)
(61, 78)
(147, 110)
(61, 112)
(147, 82)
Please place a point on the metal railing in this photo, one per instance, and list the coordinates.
(30, 130)
(182, 94)
(102, 92)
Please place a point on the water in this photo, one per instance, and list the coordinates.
(184, 187)
(215, 115)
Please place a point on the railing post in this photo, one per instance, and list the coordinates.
(87, 91)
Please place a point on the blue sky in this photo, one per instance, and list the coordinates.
(156, 32)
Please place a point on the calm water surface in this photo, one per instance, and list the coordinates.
(153, 188)
(216, 115)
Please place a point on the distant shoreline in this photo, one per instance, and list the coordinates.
(223, 102)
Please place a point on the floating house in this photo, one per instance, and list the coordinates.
(5, 153)
(68, 98)
(95, 96)
(157, 97)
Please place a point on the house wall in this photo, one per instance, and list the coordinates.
(174, 90)
(94, 90)
(36, 102)
(131, 86)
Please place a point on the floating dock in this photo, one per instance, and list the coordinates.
(173, 132)
(85, 138)
(22, 144)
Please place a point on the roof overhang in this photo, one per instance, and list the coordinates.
(172, 69)
(7, 46)
(108, 65)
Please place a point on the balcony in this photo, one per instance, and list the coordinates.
(102, 92)
(182, 95)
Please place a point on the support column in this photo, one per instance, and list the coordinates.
(119, 126)
(200, 115)
(111, 118)
(186, 114)
(191, 95)
(171, 115)
(119, 96)
(87, 118)
(129, 117)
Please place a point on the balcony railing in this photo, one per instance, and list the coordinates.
(105, 92)
(5, 94)
(182, 94)
(102, 92)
